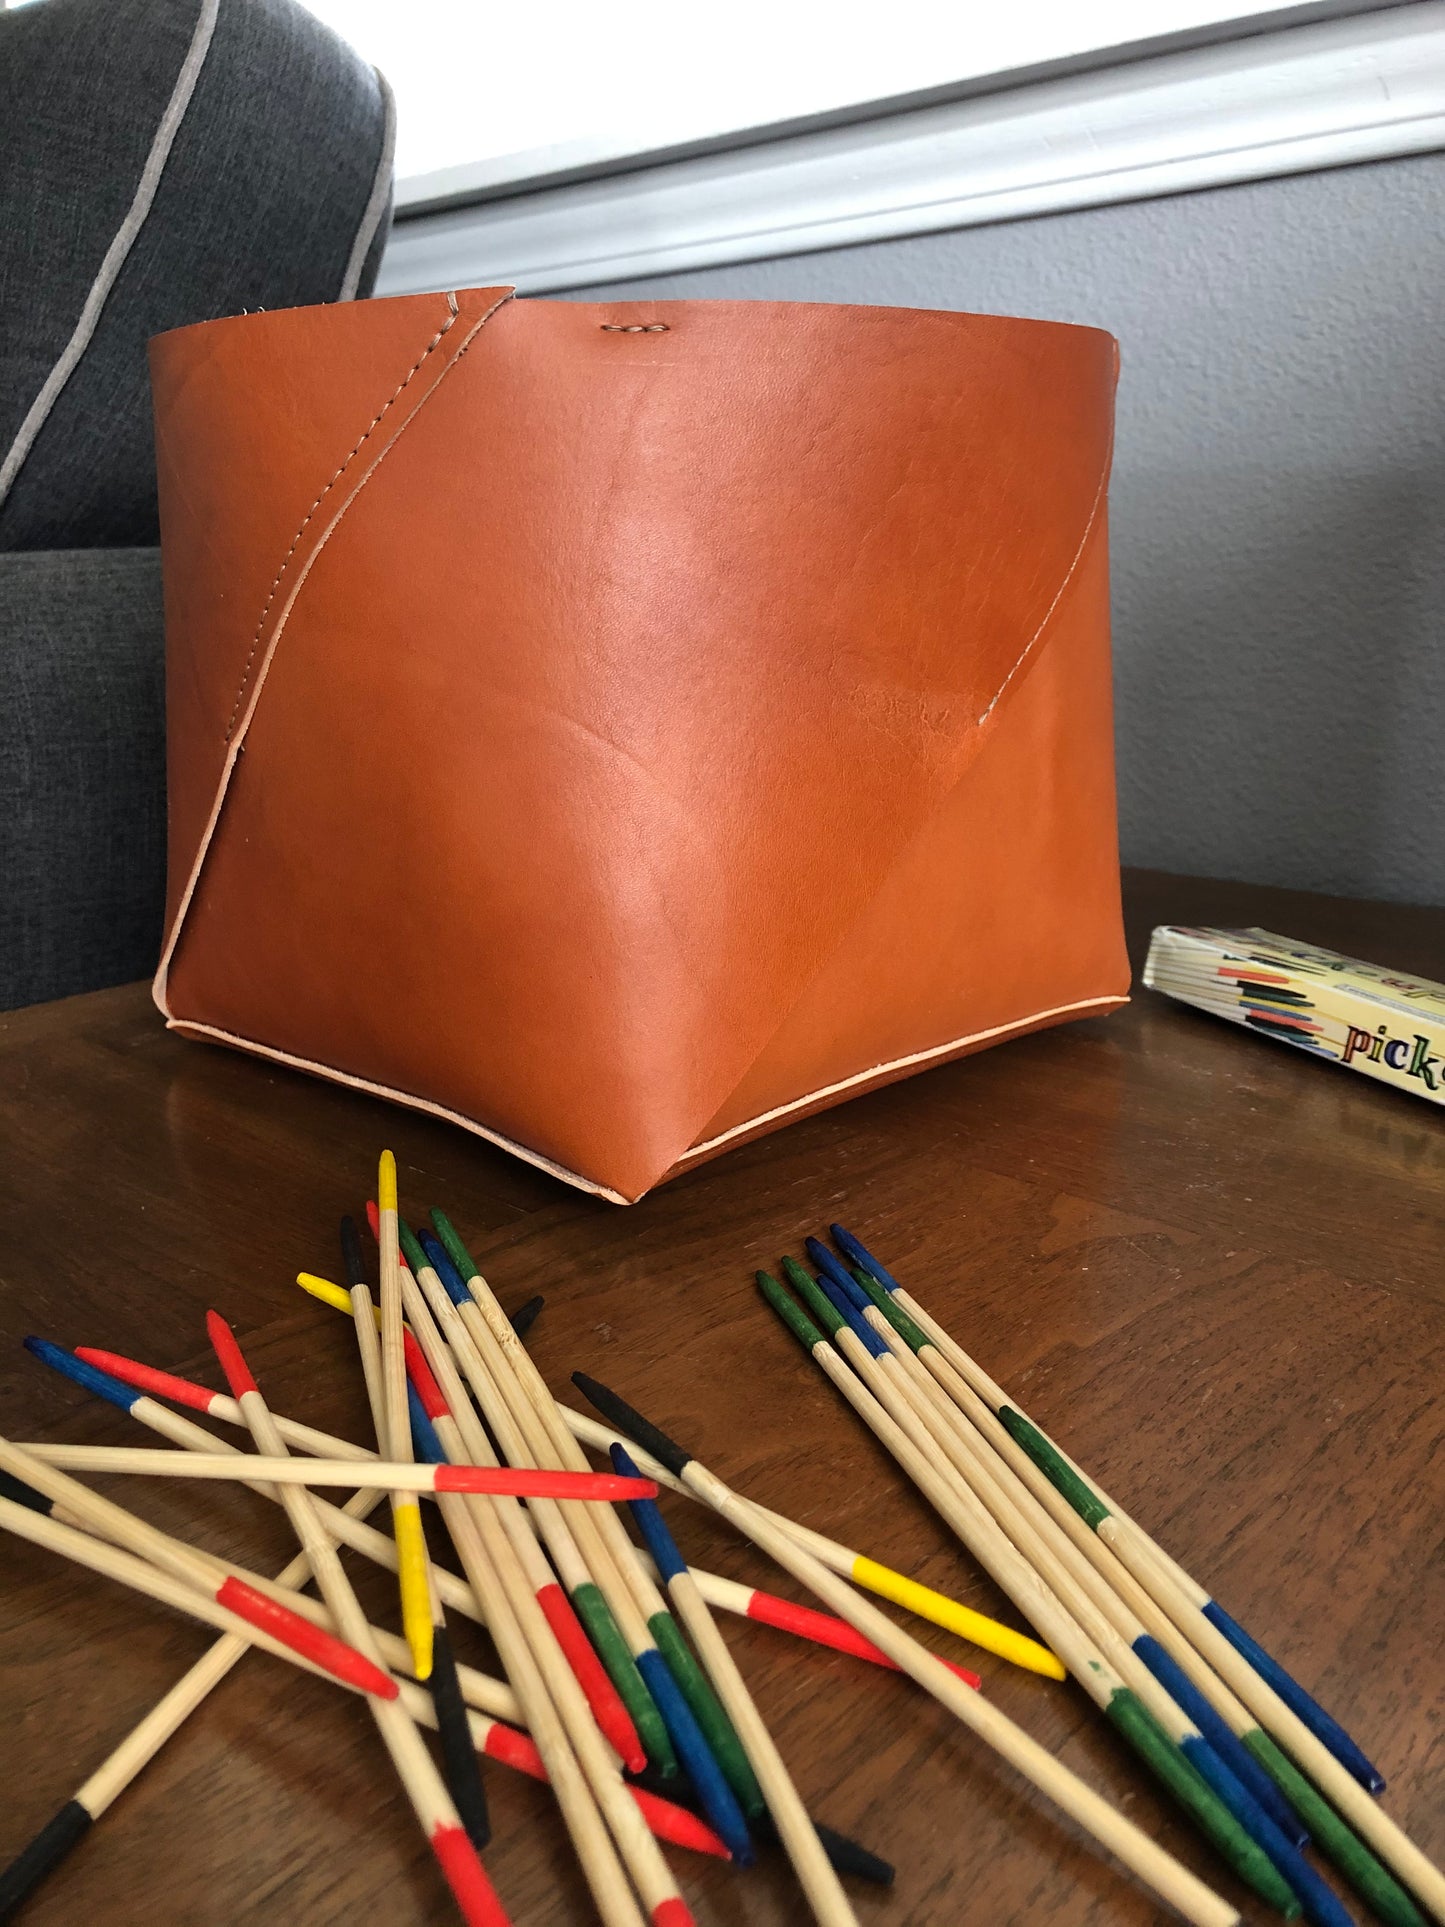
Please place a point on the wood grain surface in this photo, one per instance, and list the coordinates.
(1212, 1267)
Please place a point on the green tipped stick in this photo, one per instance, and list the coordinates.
(1054, 1466)
(979, 1630)
(589, 1602)
(796, 1320)
(602, 1629)
(1371, 1880)
(707, 1710)
(1366, 1874)
(410, 1249)
(456, 1250)
(897, 1317)
(1128, 1714)
(658, 1621)
(815, 1298)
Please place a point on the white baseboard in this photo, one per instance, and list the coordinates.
(1367, 87)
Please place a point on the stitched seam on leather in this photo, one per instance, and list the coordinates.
(352, 1082)
(1100, 496)
(160, 982)
(375, 423)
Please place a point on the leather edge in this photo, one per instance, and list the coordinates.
(861, 1082)
(192, 1027)
(819, 1100)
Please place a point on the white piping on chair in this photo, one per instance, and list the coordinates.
(121, 245)
(380, 194)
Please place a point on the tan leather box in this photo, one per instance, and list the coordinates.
(622, 728)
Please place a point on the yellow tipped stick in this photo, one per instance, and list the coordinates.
(975, 1627)
(413, 1571)
(412, 1565)
(386, 1189)
(922, 1601)
(332, 1295)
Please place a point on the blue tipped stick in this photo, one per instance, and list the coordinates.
(441, 1264)
(860, 1255)
(852, 1317)
(718, 1800)
(1317, 1902)
(94, 1380)
(827, 1263)
(424, 1441)
(650, 1522)
(1326, 1730)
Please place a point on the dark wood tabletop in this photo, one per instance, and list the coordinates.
(1212, 1267)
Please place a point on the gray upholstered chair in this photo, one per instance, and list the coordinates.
(161, 162)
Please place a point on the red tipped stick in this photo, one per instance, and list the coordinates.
(213, 1578)
(415, 1768)
(200, 1398)
(422, 1377)
(602, 1696)
(824, 1630)
(674, 1912)
(312, 1642)
(676, 1825)
(180, 1391)
(506, 1481)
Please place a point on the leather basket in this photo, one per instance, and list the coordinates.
(623, 728)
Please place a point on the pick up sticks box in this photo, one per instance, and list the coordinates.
(1374, 1020)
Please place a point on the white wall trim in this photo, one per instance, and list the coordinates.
(1368, 87)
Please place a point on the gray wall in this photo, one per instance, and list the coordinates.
(1278, 501)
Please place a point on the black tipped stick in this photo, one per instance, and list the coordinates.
(524, 1320)
(847, 1855)
(351, 1253)
(62, 1832)
(23, 1494)
(1159, 1871)
(799, 1833)
(459, 1752)
(619, 1413)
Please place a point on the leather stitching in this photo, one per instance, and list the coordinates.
(375, 423)
(1100, 497)
(695, 1153)
(160, 984)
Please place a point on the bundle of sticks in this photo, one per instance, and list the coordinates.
(644, 1731)
(616, 1686)
(1259, 1767)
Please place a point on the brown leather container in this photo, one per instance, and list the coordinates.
(623, 728)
